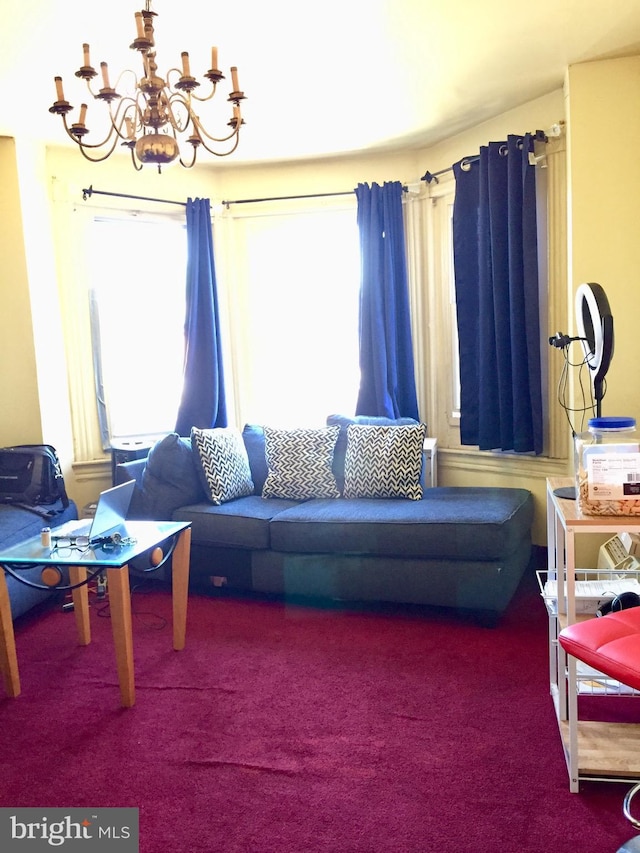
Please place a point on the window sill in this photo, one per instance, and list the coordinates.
(501, 463)
(95, 469)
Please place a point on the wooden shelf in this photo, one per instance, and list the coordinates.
(606, 750)
(574, 519)
(593, 750)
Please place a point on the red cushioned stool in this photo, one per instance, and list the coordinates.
(610, 644)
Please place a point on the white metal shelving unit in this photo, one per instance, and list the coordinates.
(593, 750)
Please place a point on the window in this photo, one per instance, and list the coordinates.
(137, 303)
(292, 281)
(288, 287)
(447, 376)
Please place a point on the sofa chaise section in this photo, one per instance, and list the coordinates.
(464, 548)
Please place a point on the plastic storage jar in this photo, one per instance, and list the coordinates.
(607, 460)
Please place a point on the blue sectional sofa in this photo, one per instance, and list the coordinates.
(16, 525)
(462, 548)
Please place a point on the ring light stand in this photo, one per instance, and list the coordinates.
(594, 324)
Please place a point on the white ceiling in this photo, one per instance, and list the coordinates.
(321, 79)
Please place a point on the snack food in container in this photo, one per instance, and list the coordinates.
(607, 461)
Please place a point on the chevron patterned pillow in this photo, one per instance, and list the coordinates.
(299, 462)
(384, 461)
(222, 462)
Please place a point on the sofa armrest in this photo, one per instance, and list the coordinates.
(133, 470)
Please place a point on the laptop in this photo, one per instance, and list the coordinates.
(110, 515)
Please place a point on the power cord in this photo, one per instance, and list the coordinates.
(151, 621)
(587, 409)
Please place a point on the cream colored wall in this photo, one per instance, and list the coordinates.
(540, 114)
(20, 423)
(603, 110)
(603, 105)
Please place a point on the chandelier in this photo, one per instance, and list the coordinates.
(150, 120)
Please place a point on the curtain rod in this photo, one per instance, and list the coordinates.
(539, 136)
(282, 198)
(87, 193)
(291, 197)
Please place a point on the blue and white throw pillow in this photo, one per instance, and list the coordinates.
(384, 461)
(223, 463)
(299, 463)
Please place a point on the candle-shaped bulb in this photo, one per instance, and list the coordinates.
(234, 79)
(214, 58)
(186, 70)
(105, 74)
(140, 25)
(59, 92)
(86, 60)
(83, 114)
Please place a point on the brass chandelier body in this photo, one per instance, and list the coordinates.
(150, 121)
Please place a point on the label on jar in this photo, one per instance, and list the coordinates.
(613, 476)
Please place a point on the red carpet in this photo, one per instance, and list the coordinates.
(285, 729)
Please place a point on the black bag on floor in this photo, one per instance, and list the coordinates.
(31, 476)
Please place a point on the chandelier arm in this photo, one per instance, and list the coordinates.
(202, 133)
(176, 125)
(124, 105)
(222, 153)
(204, 98)
(123, 73)
(137, 166)
(172, 87)
(121, 76)
(89, 145)
(193, 159)
(82, 148)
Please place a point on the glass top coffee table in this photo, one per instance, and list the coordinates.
(85, 562)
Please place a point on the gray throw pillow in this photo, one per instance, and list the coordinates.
(169, 480)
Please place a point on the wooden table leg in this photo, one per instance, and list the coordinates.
(80, 597)
(180, 588)
(120, 607)
(8, 657)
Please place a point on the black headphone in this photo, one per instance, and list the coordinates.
(621, 602)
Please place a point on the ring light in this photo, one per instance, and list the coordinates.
(595, 330)
(594, 324)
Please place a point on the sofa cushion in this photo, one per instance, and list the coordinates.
(222, 463)
(169, 480)
(384, 461)
(253, 437)
(243, 523)
(299, 462)
(483, 523)
(344, 421)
